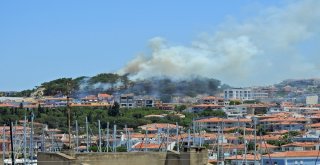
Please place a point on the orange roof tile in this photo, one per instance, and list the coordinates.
(315, 125)
(300, 144)
(207, 105)
(312, 153)
(267, 146)
(217, 120)
(212, 98)
(104, 95)
(283, 119)
(148, 145)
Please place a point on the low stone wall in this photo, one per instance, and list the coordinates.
(192, 157)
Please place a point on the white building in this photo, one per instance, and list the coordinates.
(312, 100)
(238, 94)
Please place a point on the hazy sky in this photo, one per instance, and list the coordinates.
(44, 40)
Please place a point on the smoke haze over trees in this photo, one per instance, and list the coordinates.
(161, 87)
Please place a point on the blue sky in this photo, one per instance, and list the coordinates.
(44, 40)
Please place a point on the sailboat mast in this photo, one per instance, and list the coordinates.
(107, 138)
(255, 139)
(177, 137)
(4, 143)
(77, 136)
(87, 132)
(25, 139)
(31, 137)
(11, 139)
(99, 127)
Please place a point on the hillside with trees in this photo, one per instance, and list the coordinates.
(110, 83)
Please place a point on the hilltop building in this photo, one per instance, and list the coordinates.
(238, 94)
(312, 100)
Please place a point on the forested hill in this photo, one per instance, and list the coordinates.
(114, 83)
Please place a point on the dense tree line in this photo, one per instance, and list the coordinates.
(57, 117)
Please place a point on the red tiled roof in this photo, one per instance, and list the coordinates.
(212, 98)
(312, 153)
(6, 105)
(207, 105)
(236, 128)
(284, 119)
(148, 145)
(315, 125)
(267, 146)
(104, 95)
(300, 144)
(216, 120)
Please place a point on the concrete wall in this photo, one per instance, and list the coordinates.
(191, 157)
(130, 158)
(55, 159)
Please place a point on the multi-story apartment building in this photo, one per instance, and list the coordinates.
(215, 124)
(131, 101)
(238, 94)
(211, 100)
(127, 100)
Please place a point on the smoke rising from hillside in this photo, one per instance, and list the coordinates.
(275, 44)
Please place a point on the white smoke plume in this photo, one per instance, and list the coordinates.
(275, 44)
